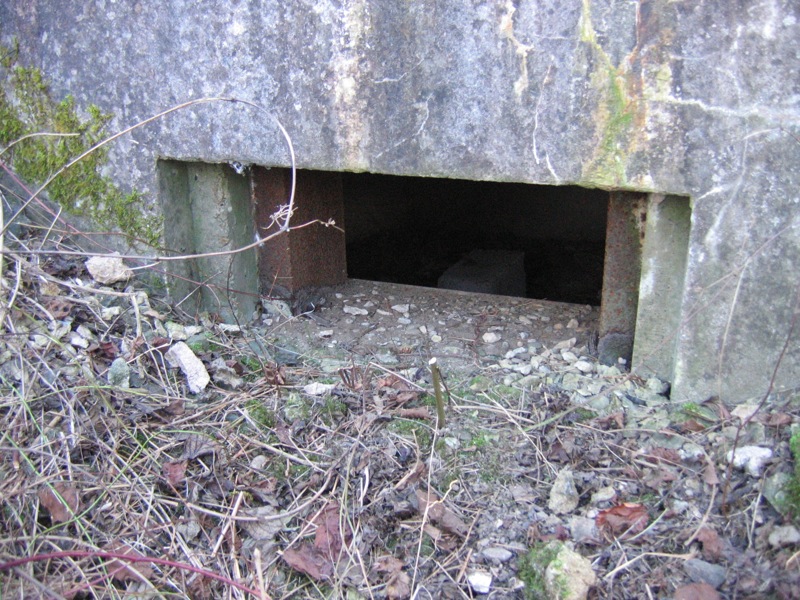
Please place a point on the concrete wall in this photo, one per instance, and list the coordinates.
(696, 99)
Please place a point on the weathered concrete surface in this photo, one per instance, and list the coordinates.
(658, 319)
(311, 255)
(685, 98)
(623, 259)
(208, 210)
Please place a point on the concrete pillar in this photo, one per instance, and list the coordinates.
(173, 192)
(307, 256)
(627, 213)
(664, 256)
(207, 209)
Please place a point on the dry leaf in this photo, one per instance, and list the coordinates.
(307, 559)
(779, 420)
(198, 445)
(175, 472)
(398, 583)
(274, 374)
(175, 407)
(616, 419)
(123, 570)
(712, 544)
(413, 476)
(59, 308)
(696, 591)
(419, 412)
(440, 515)
(710, 474)
(318, 560)
(442, 541)
(693, 426)
(268, 525)
(329, 538)
(663, 455)
(656, 478)
(628, 519)
(61, 508)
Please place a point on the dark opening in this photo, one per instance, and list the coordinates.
(423, 231)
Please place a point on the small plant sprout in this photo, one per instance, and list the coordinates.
(437, 390)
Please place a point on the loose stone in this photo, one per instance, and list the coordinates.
(490, 337)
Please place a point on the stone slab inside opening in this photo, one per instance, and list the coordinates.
(541, 242)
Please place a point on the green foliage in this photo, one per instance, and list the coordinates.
(260, 414)
(793, 486)
(26, 107)
(414, 430)
(531, 569)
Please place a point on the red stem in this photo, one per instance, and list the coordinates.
(130, 558)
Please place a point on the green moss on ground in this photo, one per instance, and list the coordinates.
(26, 108)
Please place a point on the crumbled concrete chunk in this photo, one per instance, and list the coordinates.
(108, 269)
(181, 356)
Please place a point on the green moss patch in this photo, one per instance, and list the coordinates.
(27, 108)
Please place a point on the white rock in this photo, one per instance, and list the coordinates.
(176, 331)
(119, 374)
(498, 554)
(745, 411)
(480, 582)
(325, 333)
(490, 337)
(565, 345)
(786, 535)
(181, 356)
(404, 321)
(604, 494)
(569, 576)
(401, 308)
(436, 339)
(563, 494)
(318, 389)
(354, 310)
(750, 458)
(573, 324)
(515, 351)
(569, 356)
(229, 328)
(584, 366)
(225, 375)
(109, 312)
(78, 341)
(423, 330)
(654, 384)
(524, 369)
(108, 269)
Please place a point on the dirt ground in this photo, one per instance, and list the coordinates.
(312, 463)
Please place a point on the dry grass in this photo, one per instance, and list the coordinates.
(271, 490)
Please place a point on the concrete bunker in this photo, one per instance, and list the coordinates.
(626, 251)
